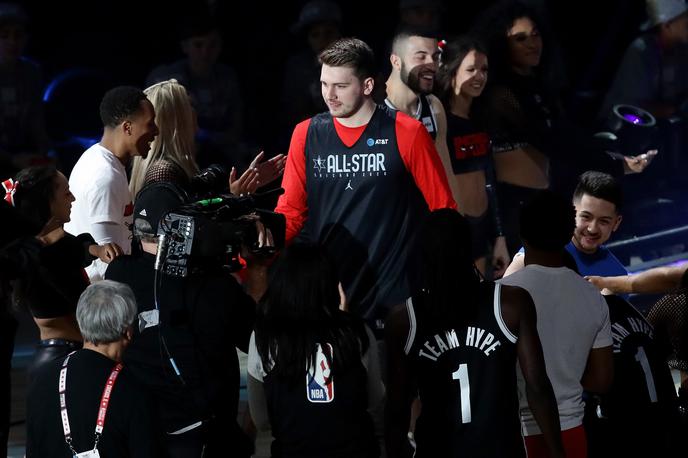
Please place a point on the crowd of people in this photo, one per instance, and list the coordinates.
(430, 277)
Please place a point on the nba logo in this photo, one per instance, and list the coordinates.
(319, 383)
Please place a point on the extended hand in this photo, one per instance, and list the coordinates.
(106, 253)
(599, 282)
(269, 170)
(636, 164)
(246, 184)
(261, 253)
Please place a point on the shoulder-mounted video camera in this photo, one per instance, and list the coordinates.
(210, 233)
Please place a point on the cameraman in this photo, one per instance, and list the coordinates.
(188, 359)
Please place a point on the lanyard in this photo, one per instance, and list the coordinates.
(102, 410)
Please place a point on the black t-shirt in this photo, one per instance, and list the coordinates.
(53, 285)
(321, 414)
(203, 317)
(466, 381)
(129, 431)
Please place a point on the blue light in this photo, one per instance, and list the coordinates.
(67, 74)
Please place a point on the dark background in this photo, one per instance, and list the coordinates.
(127, 39)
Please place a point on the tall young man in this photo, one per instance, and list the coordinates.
(103, 205)
(455, 344)
(360, 179)
(572, 321)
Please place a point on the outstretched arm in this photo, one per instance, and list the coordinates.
(658, 280)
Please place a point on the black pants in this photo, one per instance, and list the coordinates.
(50, 350)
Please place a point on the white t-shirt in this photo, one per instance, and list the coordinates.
(99, 184)
(572, 319)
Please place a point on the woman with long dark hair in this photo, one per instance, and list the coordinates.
(461, 79)
(313, 368)
(55, 278)
(535, 145)
(455, 344)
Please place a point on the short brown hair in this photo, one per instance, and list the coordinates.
(350, 52)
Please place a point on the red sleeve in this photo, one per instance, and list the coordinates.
(292, 204)
(421, 159)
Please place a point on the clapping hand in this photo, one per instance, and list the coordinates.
(258, 174)
(245, 184)
(270, 170)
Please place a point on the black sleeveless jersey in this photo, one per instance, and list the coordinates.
(467, 383)
(424, 114)
(427, 116)
(643, 386)
(640, 411)
(468, 146)
(321, 415)
(347, 189)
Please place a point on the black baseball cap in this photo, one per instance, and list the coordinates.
(152, 203)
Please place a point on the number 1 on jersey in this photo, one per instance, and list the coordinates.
(641, 357)
(462, 376)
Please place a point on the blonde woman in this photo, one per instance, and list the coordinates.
(172, 154)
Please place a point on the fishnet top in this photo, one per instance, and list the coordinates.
(517, 114)
(519, 111)
(669, 316)
(166, 171)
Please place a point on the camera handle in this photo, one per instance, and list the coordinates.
(162, 248)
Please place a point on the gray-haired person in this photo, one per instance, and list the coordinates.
(104, 412)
